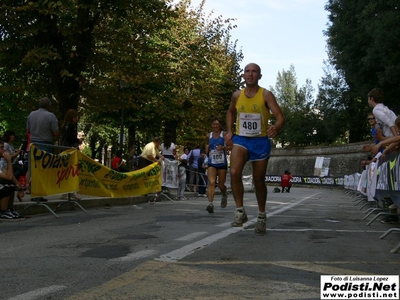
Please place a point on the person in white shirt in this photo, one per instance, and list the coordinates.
(168, 148)
(383, 115)
(386, 120)
(185, 154)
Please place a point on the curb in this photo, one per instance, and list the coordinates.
(57, 205)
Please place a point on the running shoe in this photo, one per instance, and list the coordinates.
(261, 225)
(7, 215)
(224, 200)
(16, 214)
(210, 208)
(240, 218)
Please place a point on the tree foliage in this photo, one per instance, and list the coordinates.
(363, 43)
(179, 67)
(48, 48)
(332, 124)
(296, 104)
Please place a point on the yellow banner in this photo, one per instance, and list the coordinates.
(73, 171)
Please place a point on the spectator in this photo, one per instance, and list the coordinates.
(117, 163)
(168, 148)
(8, 139)
(386, 120)
(391, 143)
(202, 165)
(217, 163)
(250, 110)
(193, 158)
(285, 181)
(184, 156)
(384, 117)
(182, 179)
(376, 133)
(150, 153)
(8, 184)
(69, 129)
(42, 126)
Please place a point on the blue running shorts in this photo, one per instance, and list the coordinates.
(258, 148)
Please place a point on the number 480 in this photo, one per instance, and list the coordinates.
(250, 125)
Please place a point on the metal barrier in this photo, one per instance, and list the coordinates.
(378, 182)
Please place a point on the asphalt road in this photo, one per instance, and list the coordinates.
(176, 250)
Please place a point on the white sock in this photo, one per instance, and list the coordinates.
(262, 214)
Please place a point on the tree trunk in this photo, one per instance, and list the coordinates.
(67, 96)
(170, 126)
(131, 140)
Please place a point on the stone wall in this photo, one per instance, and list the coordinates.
(345, 159)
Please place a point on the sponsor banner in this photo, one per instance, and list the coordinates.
(388, 177)
(318, 165)
(371, 183)
(321, 167)
(388, 173)
(362, 184)
(53, 174)
(170, 173)
(312, 180)
(351, 181)
(359, 287)
(71, 171)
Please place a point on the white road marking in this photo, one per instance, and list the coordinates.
(282, 209)
(135, 255)
(326, 230)
(290, 205)
(39, 293)
(180, 253)
(191, 236)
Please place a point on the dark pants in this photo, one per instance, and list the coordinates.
(144, 162)
(18, 170)
(6, 191)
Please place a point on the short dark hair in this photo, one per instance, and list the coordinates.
(216, 119)
(118, 153)
(44, 102)
(378, 95)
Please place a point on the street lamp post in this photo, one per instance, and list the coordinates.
(124, 85)
(121, 133)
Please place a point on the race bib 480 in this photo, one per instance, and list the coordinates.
(250, 124)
